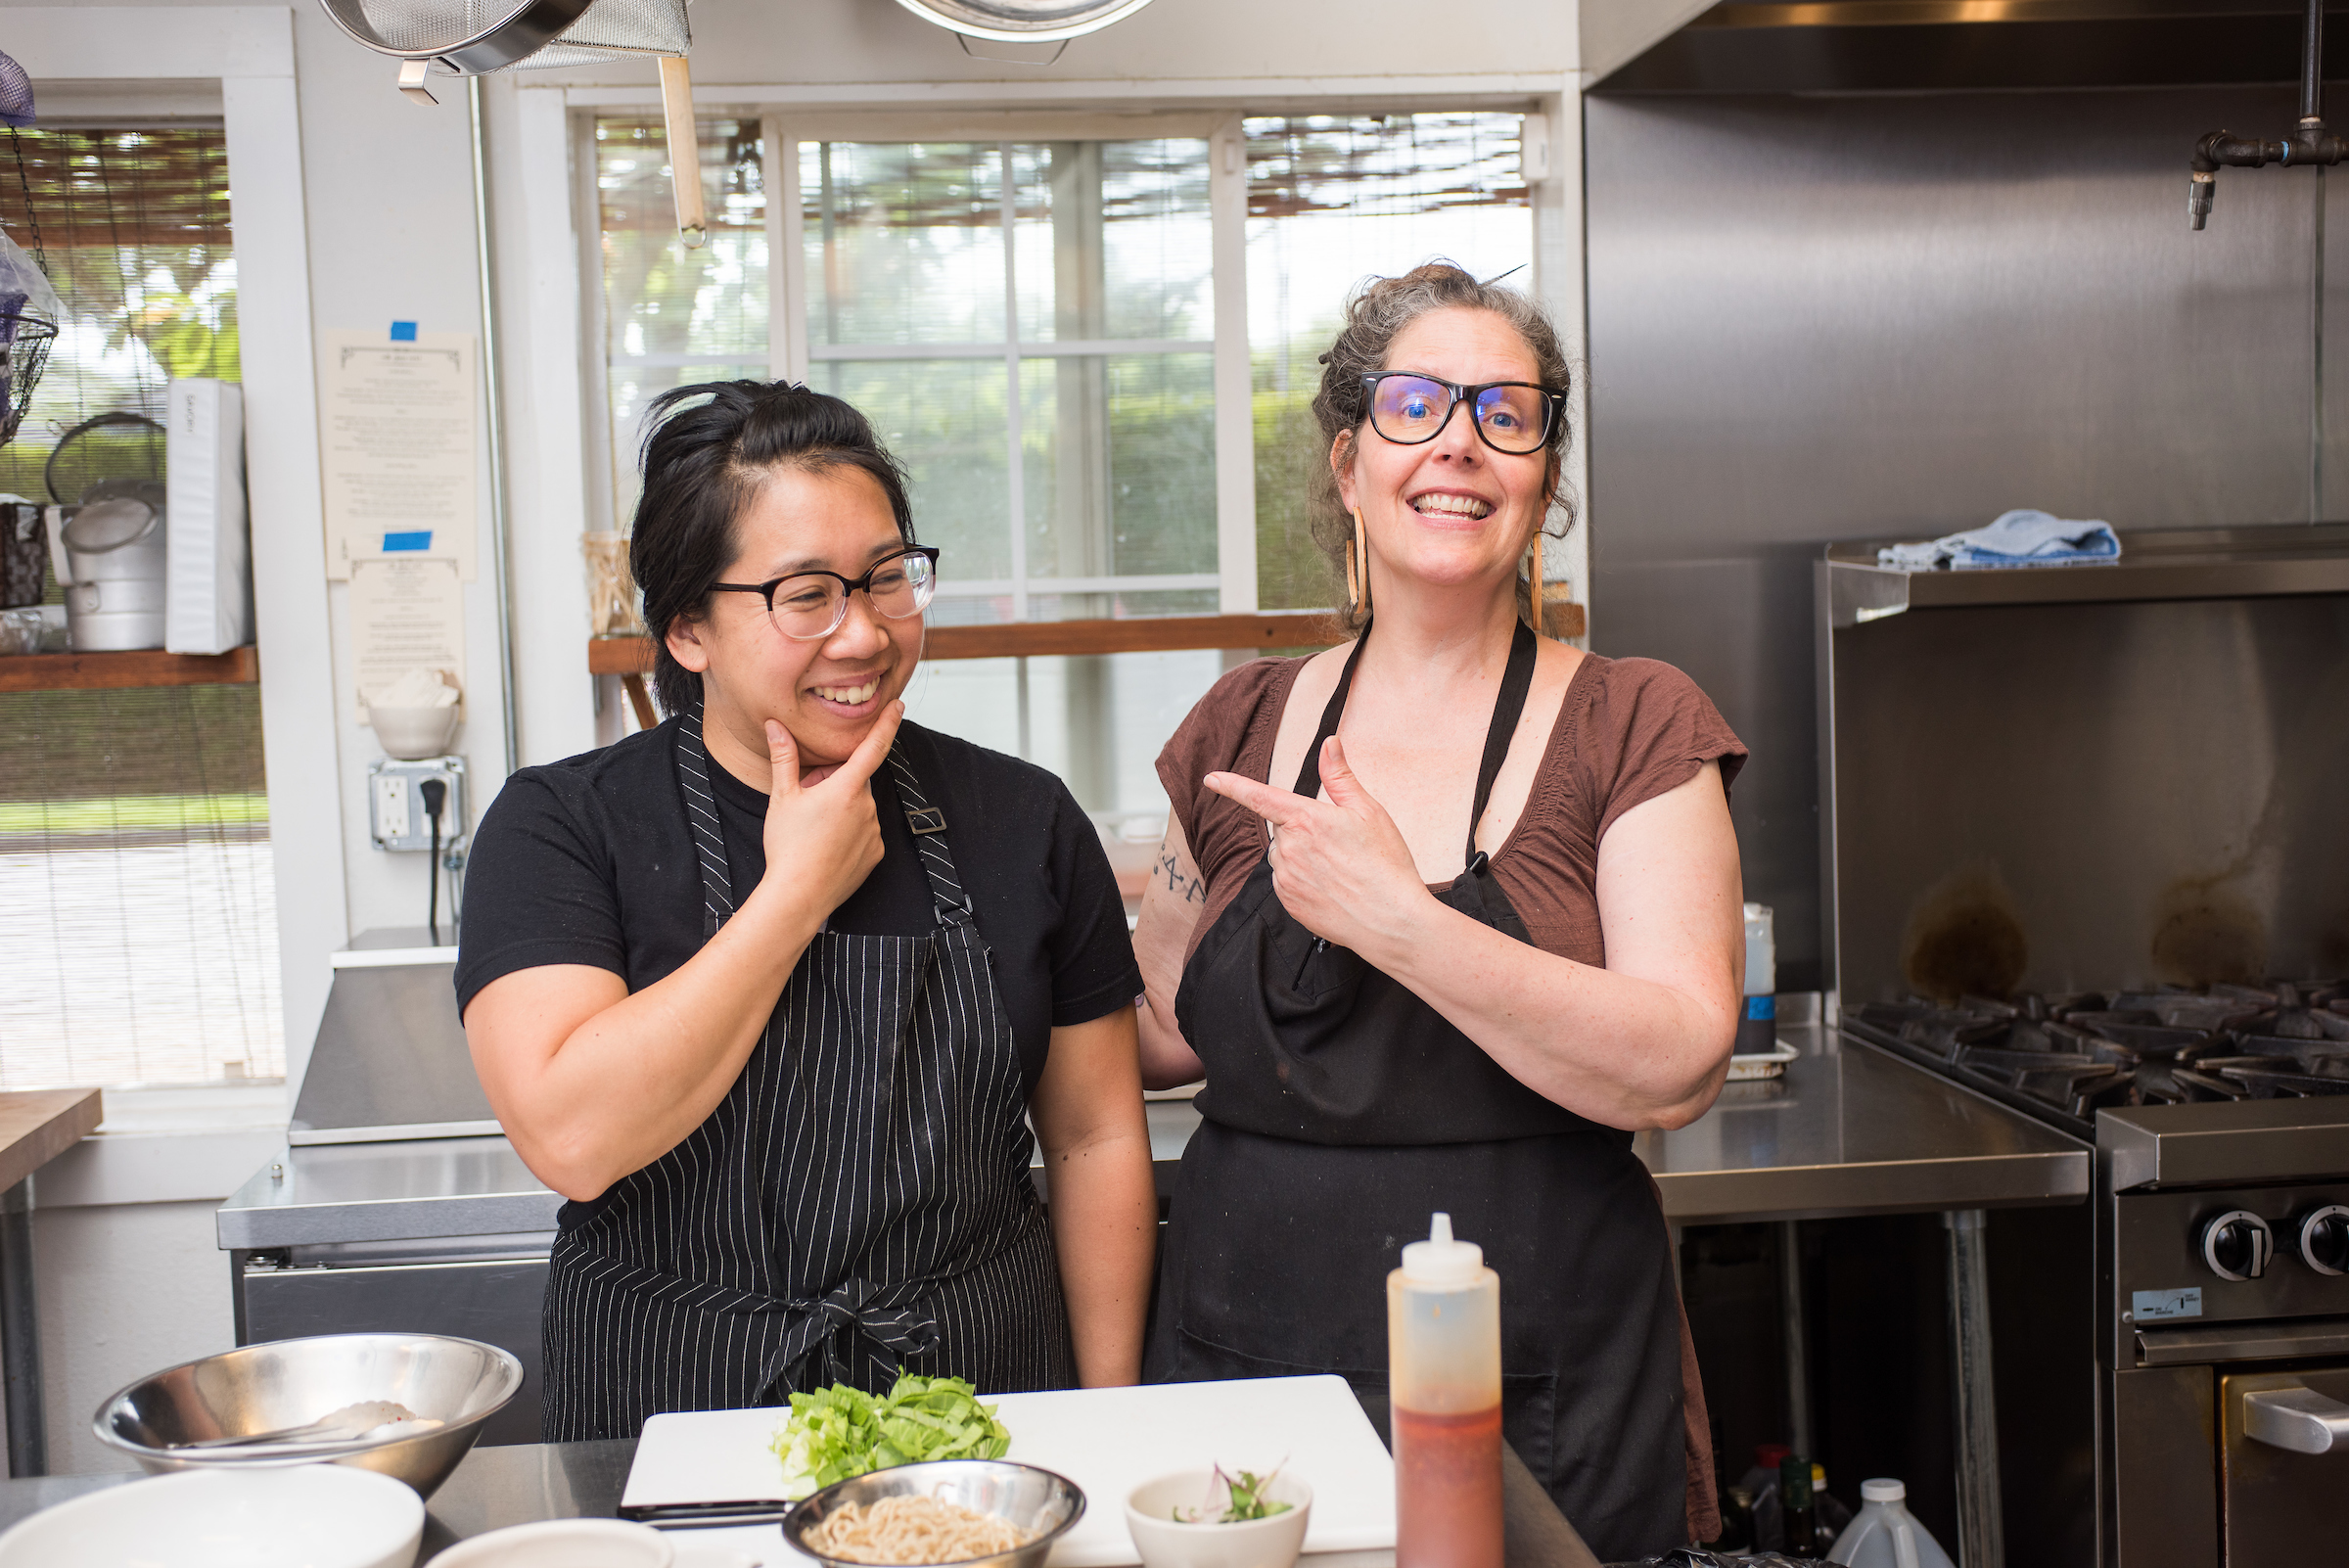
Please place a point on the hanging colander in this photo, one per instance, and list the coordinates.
(475, 37)
(1024, 21)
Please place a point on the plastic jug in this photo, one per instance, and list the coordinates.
(1444, 1365)
(1758, 1018)
(1886, 1534)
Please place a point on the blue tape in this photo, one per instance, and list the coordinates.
(418, 539)
(403, 331)
(1761, 1007)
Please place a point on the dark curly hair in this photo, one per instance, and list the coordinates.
(1376, 313)
(708, 449)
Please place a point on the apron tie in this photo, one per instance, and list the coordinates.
(827, 1326)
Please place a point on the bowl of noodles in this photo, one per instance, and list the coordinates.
(972, 1513)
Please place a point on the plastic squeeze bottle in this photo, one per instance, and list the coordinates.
(1444, 1361)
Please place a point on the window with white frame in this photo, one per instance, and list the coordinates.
(1030, 323)
(134, 822)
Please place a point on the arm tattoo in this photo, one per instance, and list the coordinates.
(1192, 889)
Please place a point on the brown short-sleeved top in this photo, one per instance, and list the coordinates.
(1627, 730)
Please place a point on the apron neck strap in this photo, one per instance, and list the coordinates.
(949, 901)
(1508, 705)
(700, 816)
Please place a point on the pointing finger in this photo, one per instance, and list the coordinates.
(1279, 808)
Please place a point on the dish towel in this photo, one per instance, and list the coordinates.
(2023, 538)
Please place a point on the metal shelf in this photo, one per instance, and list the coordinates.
(2243, 563)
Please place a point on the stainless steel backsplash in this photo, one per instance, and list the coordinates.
(1842, 317)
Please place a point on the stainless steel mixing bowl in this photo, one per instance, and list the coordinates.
(266, 1388)
(1029, 1497)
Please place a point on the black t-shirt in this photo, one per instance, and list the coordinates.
(589, 861)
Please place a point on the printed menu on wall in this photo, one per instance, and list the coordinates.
(404, 615)
(396, 435)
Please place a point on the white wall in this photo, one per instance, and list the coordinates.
(130, 1278)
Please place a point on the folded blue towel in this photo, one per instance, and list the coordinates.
(2024, 537)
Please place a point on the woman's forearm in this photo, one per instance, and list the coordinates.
(1105, 1230)
(1624, 1051)
(631, 1080)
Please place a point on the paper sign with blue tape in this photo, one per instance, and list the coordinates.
(2153, 1306)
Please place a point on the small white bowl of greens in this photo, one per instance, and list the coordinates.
(1223, 1517)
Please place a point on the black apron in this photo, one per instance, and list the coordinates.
(1340, 1111)
(858, 1203)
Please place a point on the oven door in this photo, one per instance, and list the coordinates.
(2284, 1465)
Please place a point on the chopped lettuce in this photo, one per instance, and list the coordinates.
(840, 1431)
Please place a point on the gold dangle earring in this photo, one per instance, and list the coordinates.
(1535, 591)
(1358, 569)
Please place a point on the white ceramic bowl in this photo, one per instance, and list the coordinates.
(1256, 1543)
(314, 1516)
(412, 735)
(564, 1544)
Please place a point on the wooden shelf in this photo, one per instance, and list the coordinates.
(1032, 639)
(96, 671)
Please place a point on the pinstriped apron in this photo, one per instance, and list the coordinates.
(858, 1203)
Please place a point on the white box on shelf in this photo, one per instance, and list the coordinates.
(208, 602)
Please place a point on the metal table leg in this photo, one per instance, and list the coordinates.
(20, 1336)
(1981, 1530)
(1798, 1359)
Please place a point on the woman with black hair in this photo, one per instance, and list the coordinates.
(773, 991)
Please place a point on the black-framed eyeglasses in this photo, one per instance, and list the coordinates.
(807, 605)
(1411, 409)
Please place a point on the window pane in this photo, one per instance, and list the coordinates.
(944, 419)
(660, 297)
(904, 242)
(132, 228)
(134, 859)
(675, 316)
(1113, 239)
(1331, 200)
(1120, 468)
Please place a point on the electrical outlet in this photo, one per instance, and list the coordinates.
(389, 819)
(395, 812)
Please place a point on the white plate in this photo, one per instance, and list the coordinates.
(312, 1516)
(1107, 1440)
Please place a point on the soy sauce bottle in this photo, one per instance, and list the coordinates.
(1443, 1362)
(1797, 1506)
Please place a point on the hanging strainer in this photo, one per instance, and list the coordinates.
(474, 37)
(122, 450)
(29, 312)
(466, 37)
(1024, 21)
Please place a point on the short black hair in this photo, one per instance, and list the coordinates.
(706, 450)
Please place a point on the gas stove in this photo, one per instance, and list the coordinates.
(2064, 1059)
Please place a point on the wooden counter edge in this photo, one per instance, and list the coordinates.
(36, 1125)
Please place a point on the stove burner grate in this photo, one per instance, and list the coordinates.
(2066, 1058)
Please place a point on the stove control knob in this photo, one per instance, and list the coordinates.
(2237, 1245)
(2325, 1240)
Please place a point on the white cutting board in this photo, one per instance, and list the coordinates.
(1108, 1441)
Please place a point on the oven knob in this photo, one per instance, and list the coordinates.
(2325, 1240)
(2237, 1245)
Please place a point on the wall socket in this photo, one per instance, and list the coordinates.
(395, 814)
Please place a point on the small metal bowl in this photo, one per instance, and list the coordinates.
(265, 1388)
(1029, 1497)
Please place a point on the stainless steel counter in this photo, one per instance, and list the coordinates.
(340, 1194)
(1849, 1129)
(1852, 1129)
